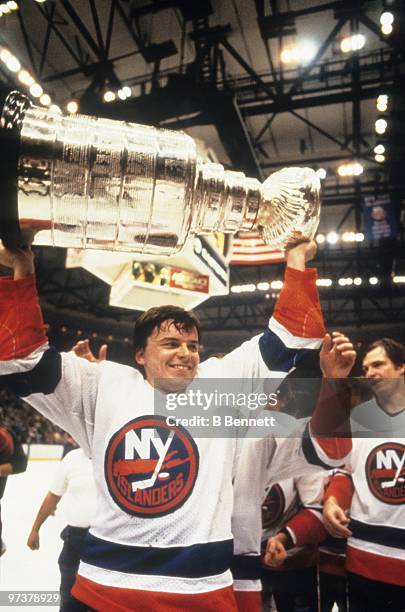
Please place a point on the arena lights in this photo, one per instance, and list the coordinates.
(250, 288)
(379, 149)
(55, 108)
(348, 281)
(72, 107)
(352, 43)
(386, 21)
(381, 125)
(321, 173)
(325, 283)
(109, 96)
(298, 54)
(124, 93)
(382, 103)
(13, 64)
(36, 90)
(351, 169)
(8, 7)
(379, 158)
(332, 238)
(45, 100)
(25, 78)
(352, 237)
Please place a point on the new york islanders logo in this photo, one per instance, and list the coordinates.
(150, 467)
(385, 472)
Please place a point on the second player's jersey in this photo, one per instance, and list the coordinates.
(377, 466)
(376, 549)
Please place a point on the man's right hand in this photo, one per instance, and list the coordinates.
(337, 356)
(275, 553)
(335, 519)
(33, 540)
(299, 251)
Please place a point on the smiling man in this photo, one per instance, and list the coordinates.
(166, 347)
(161, 539)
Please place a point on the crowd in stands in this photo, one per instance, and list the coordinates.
(30, 426)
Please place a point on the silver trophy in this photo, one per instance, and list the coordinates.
(87, 182)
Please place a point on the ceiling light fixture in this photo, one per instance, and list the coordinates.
(109, 96)
(381, 125)
(72, 107)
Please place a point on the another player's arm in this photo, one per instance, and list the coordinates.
(306, 526)
(330, 436)
(336, 507)
(47, 508)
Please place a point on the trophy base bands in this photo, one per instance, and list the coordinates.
(29, 598)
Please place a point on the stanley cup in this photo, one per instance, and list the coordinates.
(88, 182)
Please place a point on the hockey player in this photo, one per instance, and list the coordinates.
(161, 539)
(376, 476)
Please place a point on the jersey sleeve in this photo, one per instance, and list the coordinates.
(306, 527)
(59, 482)
(60, 386)
(295, 330)
(328, 441)
(341, 487)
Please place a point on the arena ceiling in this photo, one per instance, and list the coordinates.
(213, 68)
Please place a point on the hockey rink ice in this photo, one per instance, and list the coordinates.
(22, 569)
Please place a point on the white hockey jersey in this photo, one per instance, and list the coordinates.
(376, 549)
(263, 464)
(163, 524)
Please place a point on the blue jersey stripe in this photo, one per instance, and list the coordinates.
(309, 450)
(246, 567)
(277, 356)
(195, 561)
(43, 378)
(378, 534)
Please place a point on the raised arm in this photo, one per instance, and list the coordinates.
(329, 441)
(294, 330)
(61, 387)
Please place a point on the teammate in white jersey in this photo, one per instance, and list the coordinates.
(376, 468)
(161, 539)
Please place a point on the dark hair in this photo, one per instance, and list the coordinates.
(155, 317)
(395, 350)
